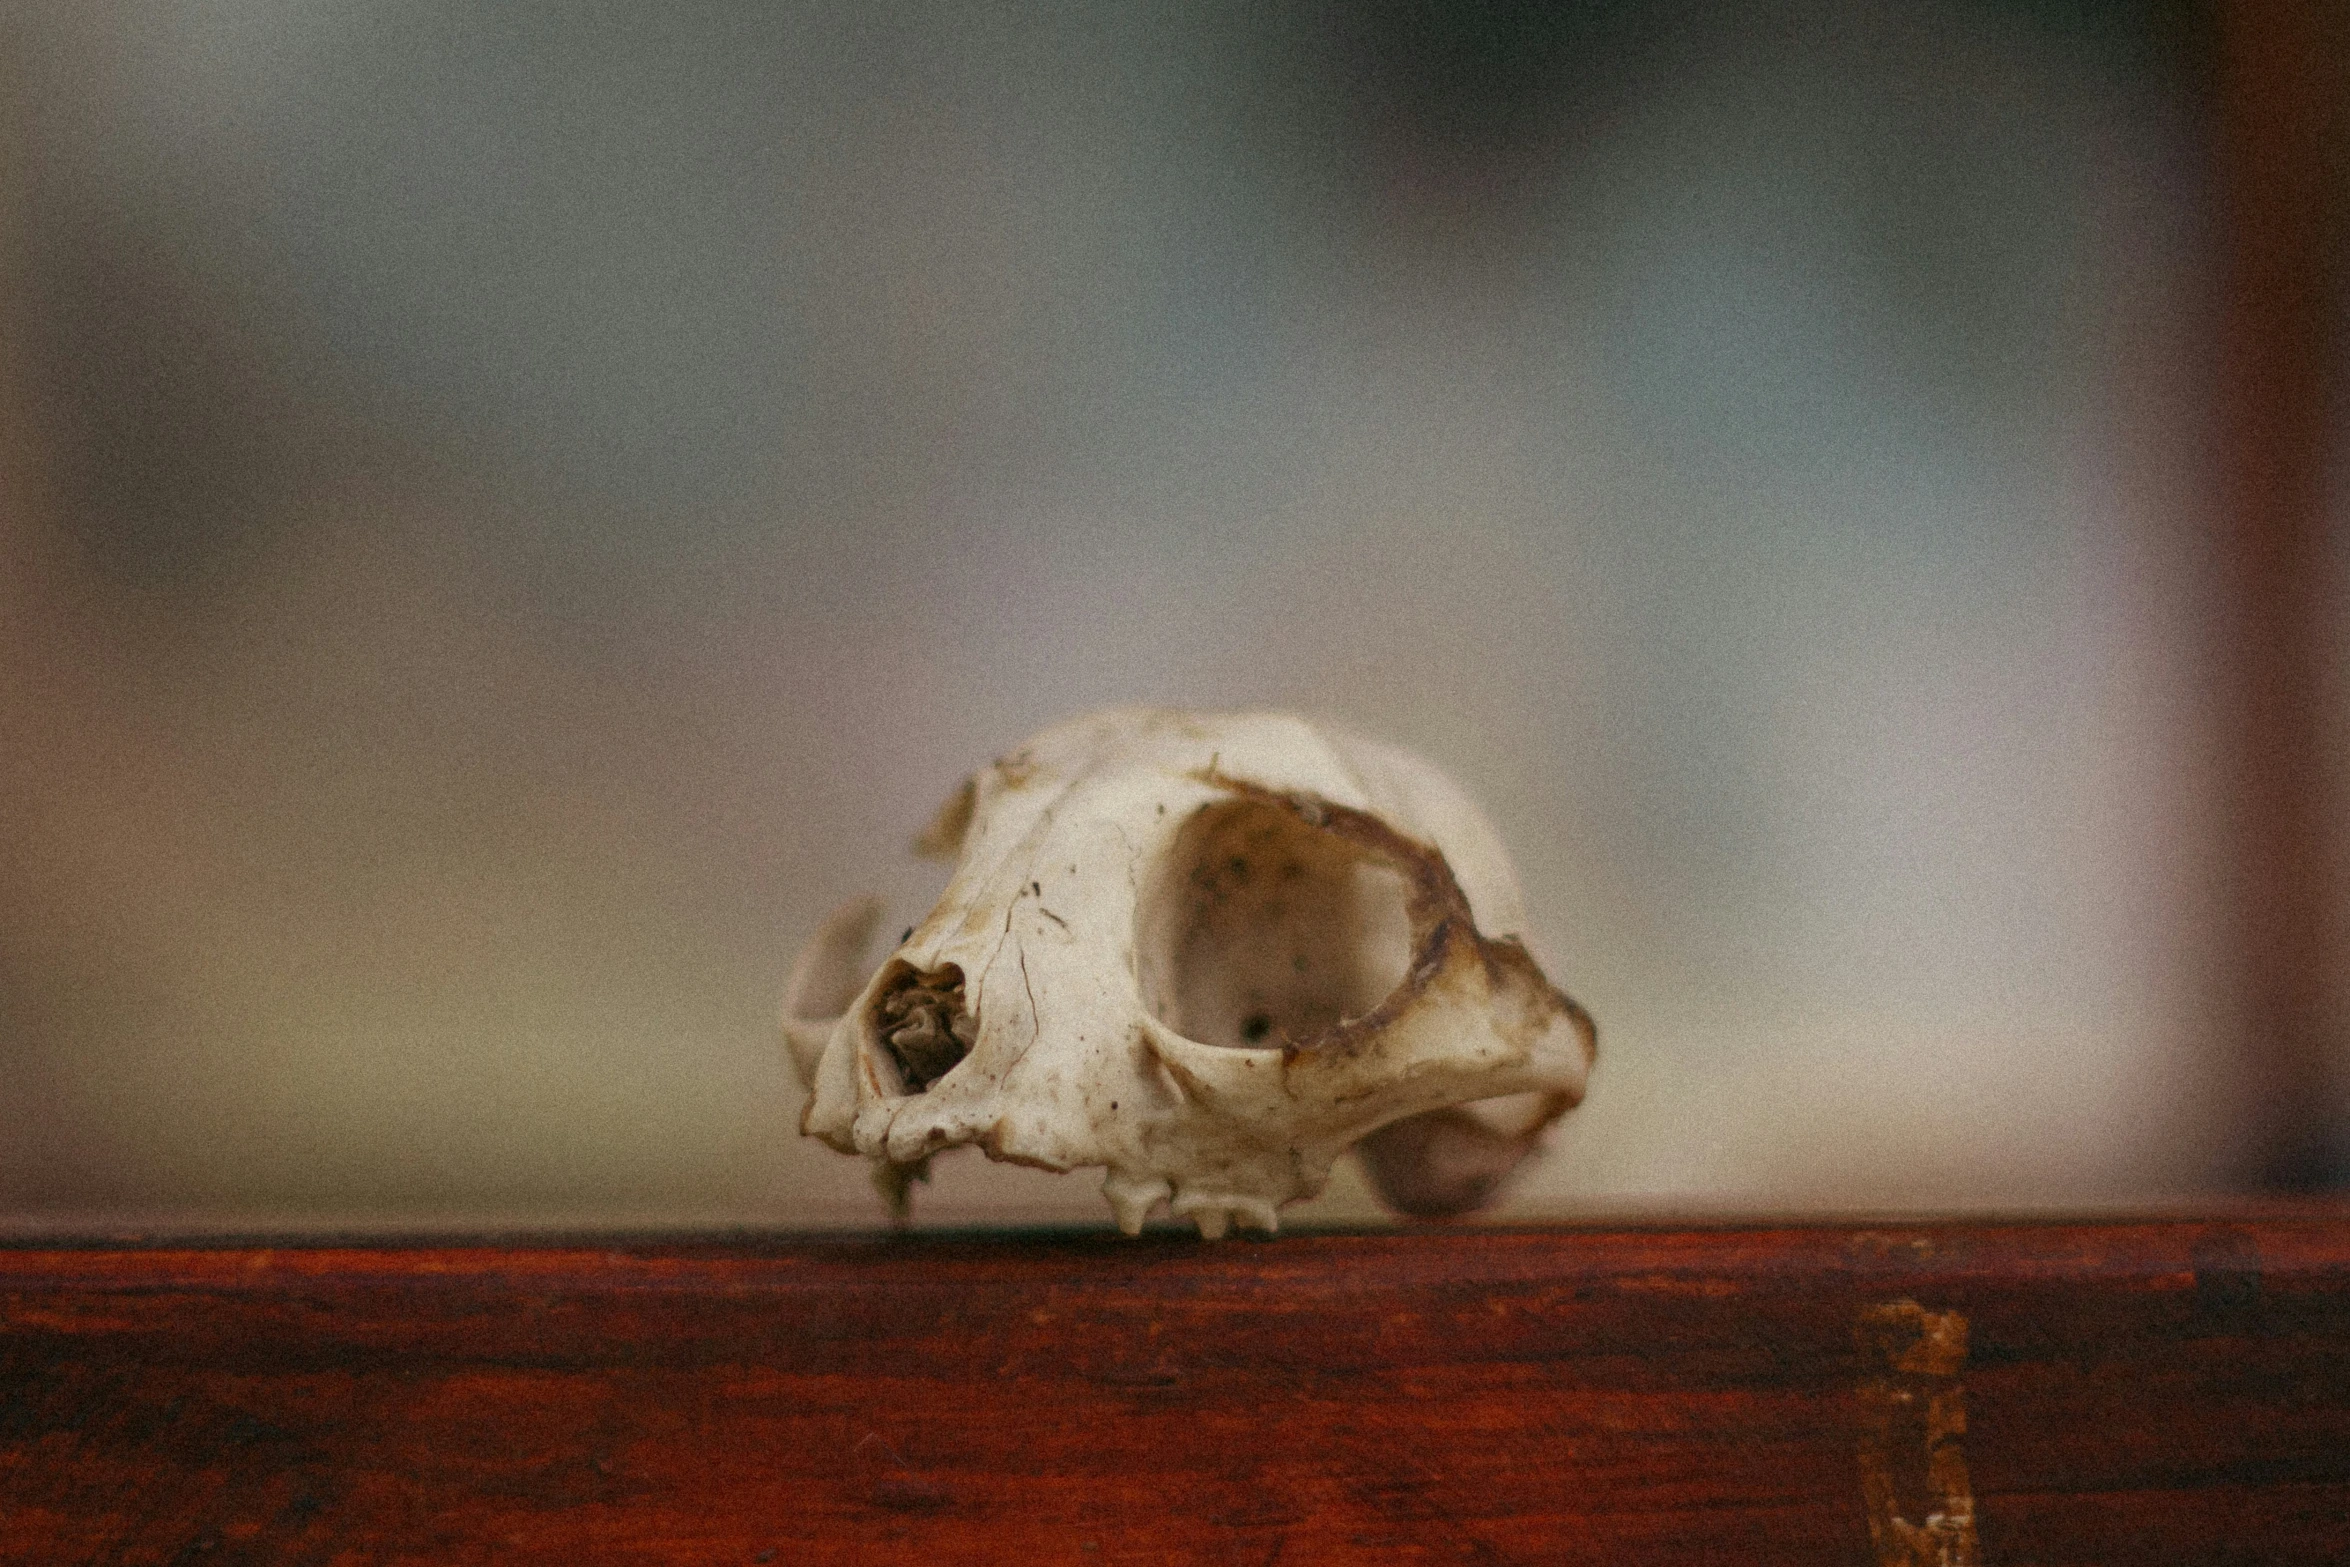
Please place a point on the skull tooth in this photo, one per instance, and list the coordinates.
(1133, 1196)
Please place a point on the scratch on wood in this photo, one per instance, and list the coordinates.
(1913, 1413)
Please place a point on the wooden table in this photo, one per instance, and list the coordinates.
(1951, 1392)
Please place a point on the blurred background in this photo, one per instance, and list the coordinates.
(510, 513)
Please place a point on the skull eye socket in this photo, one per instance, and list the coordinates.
(1261, 930)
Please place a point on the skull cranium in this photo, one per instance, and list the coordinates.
(1209, 952)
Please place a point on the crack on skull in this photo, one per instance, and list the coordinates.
(921, 1019)
(1035, 1018)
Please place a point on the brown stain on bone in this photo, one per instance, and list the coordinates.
(1443, 1162)
(1445, 937)
(1913, 1473)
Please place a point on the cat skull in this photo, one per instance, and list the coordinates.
(1209, 952)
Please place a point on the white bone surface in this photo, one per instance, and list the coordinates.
(1209, 953)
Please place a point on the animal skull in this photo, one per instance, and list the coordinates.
(1210, 952)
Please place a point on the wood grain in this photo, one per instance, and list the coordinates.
(2131, 1392)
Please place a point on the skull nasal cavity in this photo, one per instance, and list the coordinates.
(920, 1019)
(1260, 930)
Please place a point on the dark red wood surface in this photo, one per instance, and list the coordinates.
(2132, 1392)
